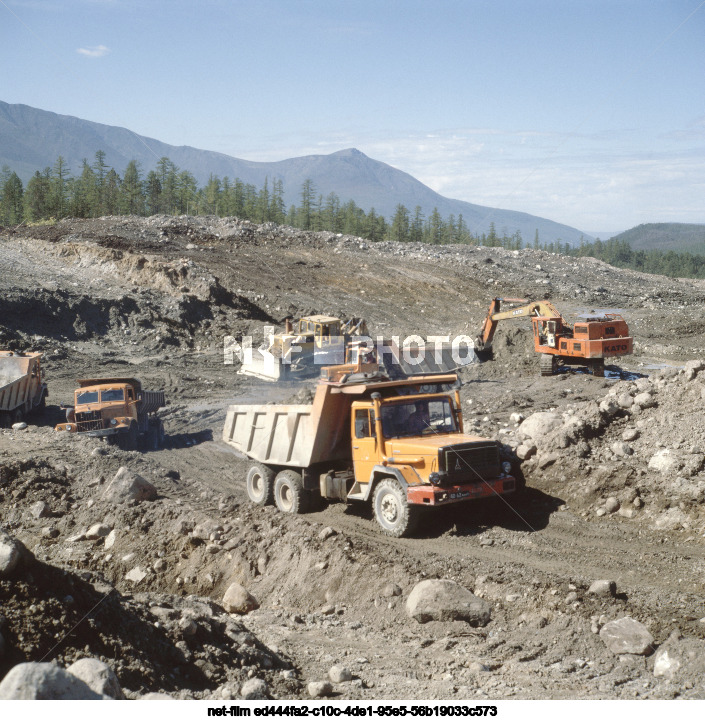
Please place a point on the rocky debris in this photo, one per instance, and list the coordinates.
(98, 530)
(445, 600)
(44, 681)
(626, 635)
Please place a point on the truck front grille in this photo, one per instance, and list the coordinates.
(89, 421)
(469, 462)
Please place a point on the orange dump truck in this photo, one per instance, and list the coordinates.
(397, 444)
(21, 387)
(117, 409)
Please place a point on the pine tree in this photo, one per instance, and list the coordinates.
(436, 227)
(111, 194)
(277, 209)
(399, 229)
(11, 196)
(100, 168)
(36, 196)
(58, 198)
(83, 200)
(153, 192)
(305, 213)
(131, 197)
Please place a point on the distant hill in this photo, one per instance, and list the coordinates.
(32, 139)
(679, 237)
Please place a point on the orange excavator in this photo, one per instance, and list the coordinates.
(586, 343)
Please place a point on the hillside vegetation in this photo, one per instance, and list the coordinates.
(678, 237)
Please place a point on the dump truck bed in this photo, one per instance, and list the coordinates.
(152, 401)
(19, 380)
(303, 435)
(291, 435)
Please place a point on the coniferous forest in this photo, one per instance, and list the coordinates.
(100, 190)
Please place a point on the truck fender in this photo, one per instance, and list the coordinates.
(379, 472)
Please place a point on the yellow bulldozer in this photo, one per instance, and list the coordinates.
(303, 348)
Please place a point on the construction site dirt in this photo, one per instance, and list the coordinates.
(610, 526)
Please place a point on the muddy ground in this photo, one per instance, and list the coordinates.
(615, 484)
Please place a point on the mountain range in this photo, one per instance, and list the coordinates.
(32, 139)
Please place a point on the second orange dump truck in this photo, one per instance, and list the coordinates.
(117, 409)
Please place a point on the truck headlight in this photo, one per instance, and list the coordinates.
(507, 467)
(113, 422)
(69, 427)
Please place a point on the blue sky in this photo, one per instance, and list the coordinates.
(589, 113)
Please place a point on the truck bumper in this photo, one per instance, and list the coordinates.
(428, 495)
(99, 433)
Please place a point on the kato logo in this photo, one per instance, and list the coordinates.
(615, 348)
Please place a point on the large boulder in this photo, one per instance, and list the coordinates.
(44, 681)
(680, 657)
(445, 600)
(627, 635)
(538, 425)
(128, 486)
(238, 599)
(664, 461)
(10, 553)
(98, 676)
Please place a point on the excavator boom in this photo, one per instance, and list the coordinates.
(588, 342)
(536, 308)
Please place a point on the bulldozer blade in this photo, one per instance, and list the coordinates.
(265, 366)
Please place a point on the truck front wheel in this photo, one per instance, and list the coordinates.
(392, 510)
(260, 484)
(127, 440)
(289, 493)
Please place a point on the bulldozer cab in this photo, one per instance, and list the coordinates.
(316, 329)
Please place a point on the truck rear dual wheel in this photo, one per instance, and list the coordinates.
(260, 484)
(290, 496)
(154, 438)
(393, 512)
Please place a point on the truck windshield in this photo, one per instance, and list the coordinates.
(86, 397)
(113, 394)
(417, 418)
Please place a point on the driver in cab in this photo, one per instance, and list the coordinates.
(419, 420)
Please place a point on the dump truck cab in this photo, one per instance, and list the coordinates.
(117, 409)
(418, 442)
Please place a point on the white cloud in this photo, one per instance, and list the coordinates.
(95, 51)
